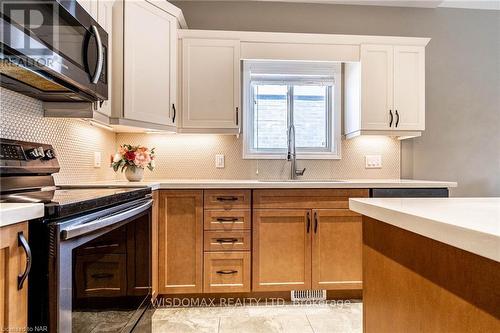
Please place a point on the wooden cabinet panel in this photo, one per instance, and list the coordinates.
(227, 199)
(227, 241)
(307, 199)
(180, 241)
(227, 272)
(13, 302)
(227, 220)
(336, 249)
(409, 87)
(281, 250)
(154, 244)
(210, 83)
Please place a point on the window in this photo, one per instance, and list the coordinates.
(278, 94)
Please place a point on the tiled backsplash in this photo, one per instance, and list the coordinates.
(74, 140)
(178, 156)
(193, 156)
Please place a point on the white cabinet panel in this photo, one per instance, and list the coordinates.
(409, 87)
(149, 63)
(376, 86)
(91, 6)
(210, 83)
(105, 20)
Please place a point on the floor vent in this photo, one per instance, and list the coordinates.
(308, 295)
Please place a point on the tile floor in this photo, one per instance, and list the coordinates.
(256, 319)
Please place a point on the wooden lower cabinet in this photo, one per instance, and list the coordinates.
(281, 249)
(14, 301)
(336, 249)
(227, 272)
(180, 241)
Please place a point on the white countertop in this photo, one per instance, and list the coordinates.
(254, 183)
(11, 213)
(470, 224)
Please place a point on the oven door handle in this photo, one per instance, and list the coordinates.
(100, 56)
(77, 230)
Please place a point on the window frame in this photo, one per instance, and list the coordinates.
(333, 149)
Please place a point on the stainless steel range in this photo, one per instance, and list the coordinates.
(91, 267)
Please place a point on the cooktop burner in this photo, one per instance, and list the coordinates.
(61, 203)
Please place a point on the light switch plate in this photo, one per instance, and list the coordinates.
(219, 161)
(97, 159)
(373, 161)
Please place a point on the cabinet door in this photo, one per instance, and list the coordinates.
(376, 86)
(409, 88)
(336, 249)
(91, 7)
(14, 302)
(105, 20)
(210, 83)
(180, 241)
(281, 250)
(150, 39)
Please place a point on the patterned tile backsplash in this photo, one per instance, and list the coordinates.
(178, 156)
(74, 140)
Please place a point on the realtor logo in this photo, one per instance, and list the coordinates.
(29, 19)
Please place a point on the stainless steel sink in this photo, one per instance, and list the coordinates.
(302, 180)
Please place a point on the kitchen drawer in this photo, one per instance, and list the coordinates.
(227, 241)
(227, 199)
(226, 272)
(305, 198)
(227, 220)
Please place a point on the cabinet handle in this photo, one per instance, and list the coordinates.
(226, 219)
(315, 222)
(173, 118)
(392, 118)
(102, 275)
(237, 116)
(226, 198)
(21, 241)
(232, 271)
(226, 240)
(308, 222)
(397, 118)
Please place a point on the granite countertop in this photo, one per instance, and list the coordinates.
(470, 224)
(254, 183)
(11, 213)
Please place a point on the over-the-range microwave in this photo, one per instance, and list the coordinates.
(53, 50)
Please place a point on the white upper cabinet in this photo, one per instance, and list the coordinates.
(389, 82)
(150, 39)
(91, 7)
(105, 20)
(210, 85)
(409, 88)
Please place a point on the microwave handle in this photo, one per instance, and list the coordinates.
(100, 60)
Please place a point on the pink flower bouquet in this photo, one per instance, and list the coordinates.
(133, 157)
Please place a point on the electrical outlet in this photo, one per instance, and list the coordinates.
(219, 161)
(97, 159)
(373, 161)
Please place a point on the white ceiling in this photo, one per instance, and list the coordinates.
(469, 4)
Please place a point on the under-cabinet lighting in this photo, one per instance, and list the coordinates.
(98, 124)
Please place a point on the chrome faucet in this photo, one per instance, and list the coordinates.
(291, 155)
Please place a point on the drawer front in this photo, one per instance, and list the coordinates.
(226, 272)
(227, 220)
(227, 199)
(227, 241)
(305, 198)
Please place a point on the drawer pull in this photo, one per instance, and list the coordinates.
(226, 219)
(226, 198)
(227, 272)
(226, 240)
(102, 275)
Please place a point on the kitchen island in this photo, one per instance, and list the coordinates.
(430, 264)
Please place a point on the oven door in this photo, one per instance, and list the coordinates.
(53, 49)
(101, 270)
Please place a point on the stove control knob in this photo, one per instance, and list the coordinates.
(33, 154)
(49, 154)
